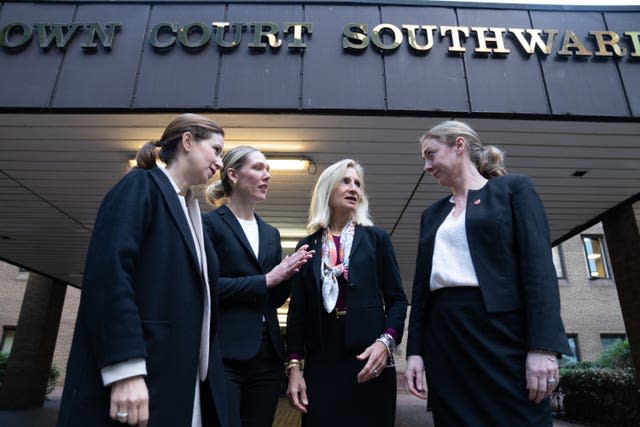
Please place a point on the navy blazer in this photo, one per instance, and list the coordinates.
(244, 296)
(508, 238)
(142, 297)
(375, 296)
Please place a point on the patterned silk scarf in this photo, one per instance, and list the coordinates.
(329, 270)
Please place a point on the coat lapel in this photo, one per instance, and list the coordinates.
(230, 219)
(429, 234)
(175, 208)
(315, 242)
(357, 237)
(263, 241)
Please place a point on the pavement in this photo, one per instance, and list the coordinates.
(410, 412)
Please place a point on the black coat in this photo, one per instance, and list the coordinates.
(244, 297)
(508, 238)
(375, 295)
(142, 297)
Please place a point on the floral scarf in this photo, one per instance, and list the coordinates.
(329, 270)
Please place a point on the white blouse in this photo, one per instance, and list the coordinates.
(452, 265)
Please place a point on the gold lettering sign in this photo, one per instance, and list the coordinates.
(386, 38)
(18, 35)
(428, 30)
(571, 41)
(607, 38)
(354, 37)
(496, 39)
(634, 36)
(455, 32)
(376, 37)
(535, 41)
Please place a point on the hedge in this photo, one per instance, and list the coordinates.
(600, 395)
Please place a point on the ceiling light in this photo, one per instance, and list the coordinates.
(291, 163)
(288, 244)
(292, 233)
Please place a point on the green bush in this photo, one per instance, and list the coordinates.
(54, 374)
(578, 365)
(3, 365)
(600, 395)
(618, 355)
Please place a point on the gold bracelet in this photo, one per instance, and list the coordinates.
(292, 363)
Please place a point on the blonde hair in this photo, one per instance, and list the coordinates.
(234, 159)
(489, 159)
(319, 210)
(166, 148)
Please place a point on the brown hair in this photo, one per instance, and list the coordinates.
(489, 159)
(167, 146)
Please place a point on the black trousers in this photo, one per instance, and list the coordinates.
(253, 387)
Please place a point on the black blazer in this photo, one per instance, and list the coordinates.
(142, 297)
(244, 297)
(375, 295)
(508, 238)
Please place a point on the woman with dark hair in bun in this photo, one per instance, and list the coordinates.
(148, 309)
(485, 320)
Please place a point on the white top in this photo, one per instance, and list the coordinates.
(452, 265)
(250, 228)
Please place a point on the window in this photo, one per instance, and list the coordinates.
(8, 333)
(557, 261)
(606, 340)
(595, 257)
(573, 344)
(23, 274)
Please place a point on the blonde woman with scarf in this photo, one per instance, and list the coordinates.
(347, 310)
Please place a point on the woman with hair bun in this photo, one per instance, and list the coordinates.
(144, 348)
(254, 282)
(485, 321)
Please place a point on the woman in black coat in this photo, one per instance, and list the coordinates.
(485, 319)
(147, 316)
(253, 284)
(347, 310)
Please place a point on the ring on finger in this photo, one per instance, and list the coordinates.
(375, 371)
(122, 415)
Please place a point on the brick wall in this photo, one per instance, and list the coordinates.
(590, 307)
(12, 286)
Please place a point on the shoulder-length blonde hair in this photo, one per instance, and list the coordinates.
(319, 210)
